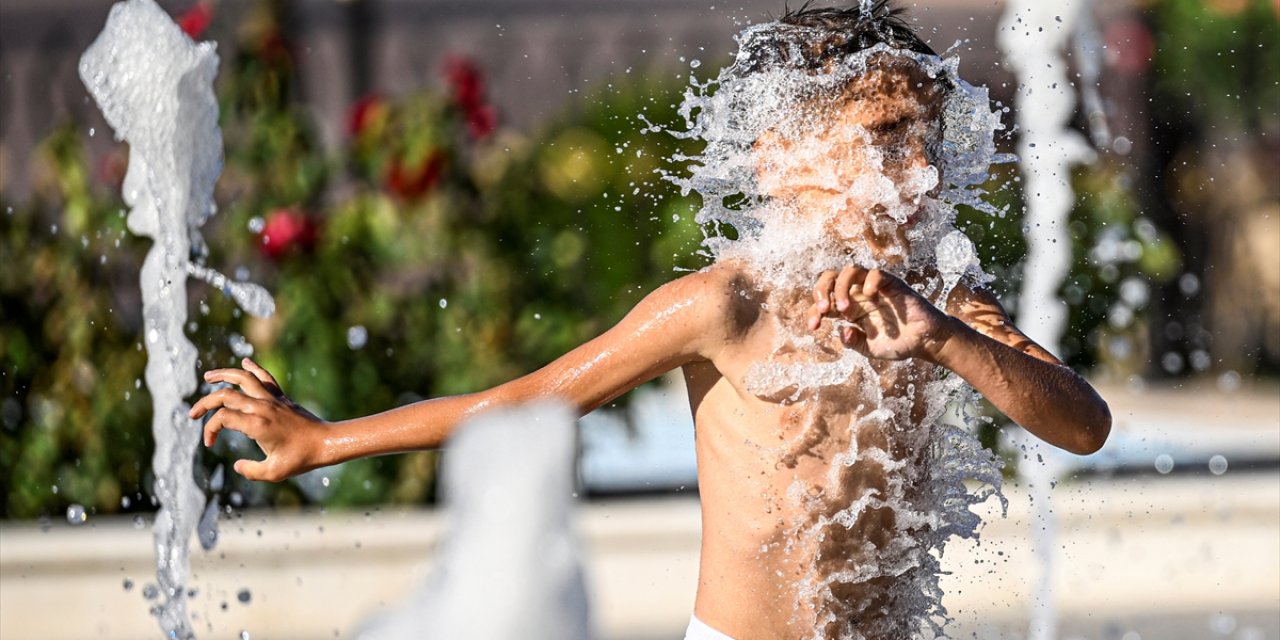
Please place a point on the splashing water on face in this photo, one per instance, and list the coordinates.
(859, 163)
(155, 88)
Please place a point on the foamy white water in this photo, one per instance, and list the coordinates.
(155, 88)
(509, 566)
(784, 247)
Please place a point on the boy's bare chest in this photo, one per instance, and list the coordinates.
(778, 397)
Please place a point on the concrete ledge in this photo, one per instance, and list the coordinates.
(1131, 551)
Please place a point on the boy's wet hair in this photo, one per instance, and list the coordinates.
(816, 38)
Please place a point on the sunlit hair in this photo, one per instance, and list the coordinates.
(814, 38)
(820, 40)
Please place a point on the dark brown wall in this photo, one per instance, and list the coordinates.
(537, 53)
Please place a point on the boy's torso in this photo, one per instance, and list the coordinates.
(768, 466)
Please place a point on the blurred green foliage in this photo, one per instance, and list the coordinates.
(1113, 246)
(437, 254)
(1219, 61)
(74, 422)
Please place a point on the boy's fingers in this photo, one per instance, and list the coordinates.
(842, 287)
(233, 420)
(822, 291)
(229, 398)
(814, 316)
(262, 374)
(212, 428)
(251, 469)
(853, 336)
(241, 378)
(873, 282)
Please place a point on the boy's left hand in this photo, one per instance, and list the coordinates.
(290, 435)
(887, 319)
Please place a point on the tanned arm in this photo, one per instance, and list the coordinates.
(886, 319)
(678, 323)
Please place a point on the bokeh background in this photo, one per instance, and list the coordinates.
(443, 195)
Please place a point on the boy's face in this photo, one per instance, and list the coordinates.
(862, 165)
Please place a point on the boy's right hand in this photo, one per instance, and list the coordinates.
(291, 436)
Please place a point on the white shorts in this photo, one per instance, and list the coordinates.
(699, 630)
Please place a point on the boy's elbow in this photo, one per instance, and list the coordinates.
(1093, 433)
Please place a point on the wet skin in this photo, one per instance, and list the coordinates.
(713, 325)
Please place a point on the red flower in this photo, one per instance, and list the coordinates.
(1130, 46)
(274, 49)
(465, 81)
(111, 168)
(196, 19)
(412, 181)
(481, 121)
(285, 229)
(364, 113)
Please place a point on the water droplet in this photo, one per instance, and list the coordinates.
(127, 584)
(357, 337)
(324, 481)
(1164, 463)
(76, 514)
(1229, 382)
(92, 131)
(139, 522)
(1218, 465)
(244, 596)
(1189, 284)
(244, 635)
(255, 300)
(125, 502)
(207, 528)
(695, 63)
(1172, 362)
(150, 592)
(257, 224)
(443, 303)
(239, 345)
(1222, 623)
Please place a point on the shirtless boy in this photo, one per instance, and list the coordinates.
(766, 459)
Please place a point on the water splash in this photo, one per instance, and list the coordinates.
(871, 532)
(509, 565)
(154, 86)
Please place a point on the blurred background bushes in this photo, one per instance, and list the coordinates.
(438, 251)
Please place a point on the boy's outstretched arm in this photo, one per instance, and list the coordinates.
(887, 319)
(677, 323)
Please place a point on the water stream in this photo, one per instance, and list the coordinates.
(155, 88)
(1034, 36)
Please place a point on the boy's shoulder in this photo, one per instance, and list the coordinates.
(721, 298)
